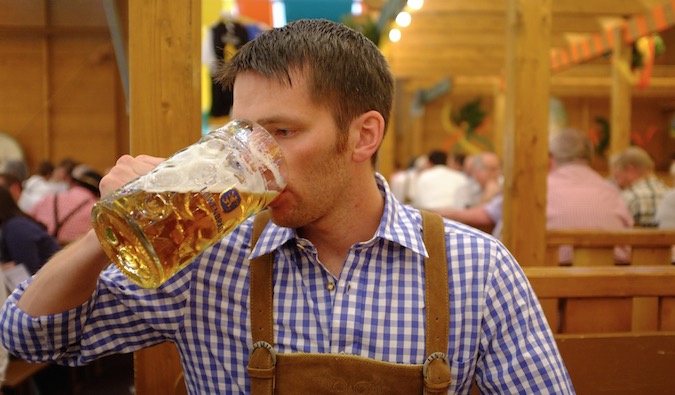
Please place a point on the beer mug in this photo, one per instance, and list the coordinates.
(158, 223)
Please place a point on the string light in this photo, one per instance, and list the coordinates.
(415, 4)
(403, 19)
(394, 35)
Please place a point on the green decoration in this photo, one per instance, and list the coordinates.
(471, 115)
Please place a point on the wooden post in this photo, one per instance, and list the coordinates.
(621, 94)
(526, 128)
(164, 81)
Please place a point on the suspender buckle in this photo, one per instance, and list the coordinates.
(433, 357)
(268, 347)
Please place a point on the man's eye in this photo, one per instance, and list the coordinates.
(283, 132)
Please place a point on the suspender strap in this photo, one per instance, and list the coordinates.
(436, 369)
(59, 223)
(262, 364)
(261, 286)
(436, 288)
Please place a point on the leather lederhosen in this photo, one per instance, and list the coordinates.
(314, 373)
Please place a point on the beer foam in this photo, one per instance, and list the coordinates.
(214, 165)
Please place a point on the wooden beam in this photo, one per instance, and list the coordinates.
(526, 129)
(620, 112)
(165, 115)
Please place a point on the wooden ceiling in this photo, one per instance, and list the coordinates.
(466, 40)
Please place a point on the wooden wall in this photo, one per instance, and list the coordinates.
(61, 93)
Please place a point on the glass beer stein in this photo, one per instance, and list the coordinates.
(158, 223)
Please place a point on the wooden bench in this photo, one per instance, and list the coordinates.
(595, 248)
(620, 364)
(609, 350)
(18, 374)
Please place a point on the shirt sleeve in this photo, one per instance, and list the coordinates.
(517, 353)
(120, 317)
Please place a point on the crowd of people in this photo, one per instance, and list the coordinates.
(578, 196)
(39, 214)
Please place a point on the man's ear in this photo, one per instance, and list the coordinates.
(368, 131)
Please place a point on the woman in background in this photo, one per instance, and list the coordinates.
(23, 240)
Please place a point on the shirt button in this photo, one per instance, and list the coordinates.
(330, 286)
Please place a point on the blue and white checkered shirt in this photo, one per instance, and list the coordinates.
(374, 309)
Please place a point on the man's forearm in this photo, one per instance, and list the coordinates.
(67, 280)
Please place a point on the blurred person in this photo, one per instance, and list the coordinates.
(37, 186)
(439, 187)
(351, 276)
(17, 167)
(13, 184)
(456, 161)
(577, 196)
(633, 172)
(486, 216)
(402, 182)
(23, 239)
(68, 214)
(61, 174)
(475, 191)
(486, 170)
(665, 212)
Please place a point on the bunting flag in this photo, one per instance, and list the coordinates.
(658, 19)
(256, 10)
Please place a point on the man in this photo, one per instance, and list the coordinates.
(577, 197)
(486, 169)
(348, 279)
(633, 172)
(486, 214)
(67, 214)
(440, 187)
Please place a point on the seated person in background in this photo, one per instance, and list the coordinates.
(13, 185)
(68, 214)
(439, 187)
(633, 172)
(486, 169)
(475, 191)
(37, 186)
(486, 217)
(665, 212)
(577, 196)
(403, 181)
(23, 240)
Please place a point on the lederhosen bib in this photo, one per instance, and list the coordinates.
(314, 373)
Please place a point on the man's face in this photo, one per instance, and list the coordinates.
(318, 174)
(621, 177)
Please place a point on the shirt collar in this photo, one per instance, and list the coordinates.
(399, 224)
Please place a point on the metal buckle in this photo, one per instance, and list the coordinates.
(432, 357)
(268, 347)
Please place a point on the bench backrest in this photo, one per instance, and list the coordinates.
(613, 300)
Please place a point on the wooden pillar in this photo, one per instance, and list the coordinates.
(526, 128)
(498, 116)
(165, 102)
(619, 138)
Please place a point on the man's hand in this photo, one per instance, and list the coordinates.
(126, 169)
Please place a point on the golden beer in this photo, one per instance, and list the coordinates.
(152, 235)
